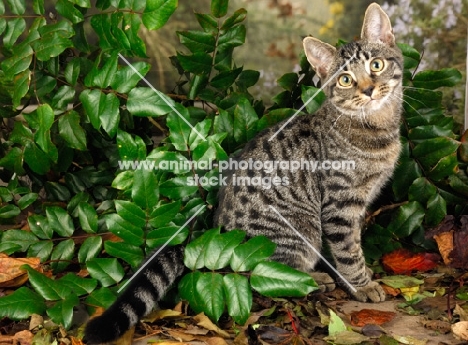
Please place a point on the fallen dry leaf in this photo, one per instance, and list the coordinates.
(402, 261)
(460, 330)
(23, 338)
(460, 312)
(216, 341)
(409, 340)
(437, 325)
(203, 321)
(161, 314)
(11, 275)
(370, 316)
(390, 290)
(444, 242)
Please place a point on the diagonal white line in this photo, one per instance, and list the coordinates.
(161, 248)
(313, 248)
(161, 95)
(311, 98)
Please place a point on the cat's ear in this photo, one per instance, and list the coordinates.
(377, 27)
(319, 54)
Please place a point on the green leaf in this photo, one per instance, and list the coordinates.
(188, 291)
(13, 161)
(207, 22)
(130, 149)
(131, 212)
(436, 210)
(273, 117)
(17, 6)
(90, 248)
(445, 167)
(430, 151)
(336, 325)
(102, 110)
(421, 190)
(123, 180)
(88, 217)
(126, 78)
(161, 236)
(197, 41)
(9, 211)
(144, 101)
(225, 79)
(62, 255)
(50, 45)
(197, 63)
(71, 131)
(238, 297)
(103, 297)
(38, 7)
(107, 271)
(21, 304)
(15, 28)
(219, 8)
(170, 161)
(67, 10)
(221, 247)
(247, 78)
(195, 251)
(125, 230)
(18, 62)
(157, 13)
(180, 128)
(410, 55)
(41, 250)
(49, 289)
(103, 77)
(65, 95)
(246, 256)
(22, 82)
(288, 81)
(314, 96)
(233, 37)
(40, 227)
(178, 187)
(163, 214)
(60, 221)
(238, 17)
(407, 219)
(127, 252)
(72, 71)
(145, 192)
(273, 279)
(80, 286)
(62, 312)
(20, 238)
(434, 79)
(245, 121)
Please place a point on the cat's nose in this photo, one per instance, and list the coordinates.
(368, 91)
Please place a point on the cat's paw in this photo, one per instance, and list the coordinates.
(324, 281)
(371, 292)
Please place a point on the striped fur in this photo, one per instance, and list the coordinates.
(138, 299)
(349, 126)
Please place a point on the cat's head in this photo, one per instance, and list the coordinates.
(364, 75)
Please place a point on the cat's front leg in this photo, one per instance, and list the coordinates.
(345, 245)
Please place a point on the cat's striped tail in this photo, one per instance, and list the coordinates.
(139, 298)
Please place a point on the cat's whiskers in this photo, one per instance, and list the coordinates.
(405, 101)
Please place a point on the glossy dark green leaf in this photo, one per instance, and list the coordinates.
(13, 161)
(436, 210)
(246, 256)
(102, 297)
(145, 192)
(102, 110)
(274, 116)
(20, 238)
(430, 151)
(18, 62)
(36, 159)
(197, 63)
(22, 82)
(219, 8)
(15, 27)
(131, 212)
(88, 217)
(197, 85)
(62, 255)
(132, 21)
(67, 10)
(225, 79)
(26, 200)
(197, 41)
(125, 230)
(127, 252)
(144, 101)
(245, 121)
(104, 76)
(163, 214)
(220, 249)
(273, 279)
(180, 128)
(207, 22)
(247, 78)
(178, 187)
(233, 37)
(57, 191)
(71, 131)
(434, 79)
(238, 297)
(62, 312)
(188, 291)
(224, 122)
(123, 180)
(421, 190)
(38, 7)
(411, 56)
(314, 98)
(288, 81)
(170, 161)
(195, 251)
(406, 171)
(21, 304)
(64, 96)
(89, 249)
(130, 149)
(40, 227)
(157, 13)
(9, 211)
(107, 270)
(50, 45)
(406, 219)
(17, 6)
(60, 221)
(158, 237)
(126, 78)
(41, 250)
(49, 289)
(238, 17)
(445, 167)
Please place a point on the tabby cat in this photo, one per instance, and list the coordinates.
(358, 122)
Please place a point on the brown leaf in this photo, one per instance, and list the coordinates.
(370, 316)
(11, 275)
(216, 341)
(437, 325)
(402, 261)
(390, 290)
(373, 331)
(444, 241)
(203, 321)
(23, 338)
(460, 330)
(459, 254)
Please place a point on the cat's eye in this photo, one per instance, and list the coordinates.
(377, 65)
(345, 80)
